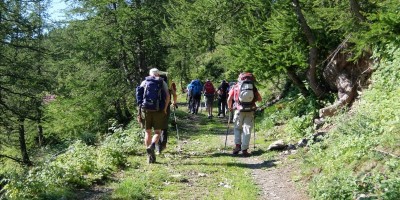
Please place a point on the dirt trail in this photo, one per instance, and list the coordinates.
(274, 177)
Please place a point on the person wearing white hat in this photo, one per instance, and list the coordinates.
(156, 99)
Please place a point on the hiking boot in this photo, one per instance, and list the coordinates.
(151, 154)
(245, 153)
(237, 149)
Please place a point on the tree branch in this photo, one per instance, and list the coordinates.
(11, 158)
(387, 153)
(313, 53)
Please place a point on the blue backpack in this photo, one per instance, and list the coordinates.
(195, 87)
(151, 97)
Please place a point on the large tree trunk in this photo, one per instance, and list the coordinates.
(313, 53)
(296, 80)
(356, 10)
(22, 143)
(346, 78)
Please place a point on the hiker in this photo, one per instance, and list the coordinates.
(209, 94)
(162, 142)
(222, 95)
(244, 94)
(188, 96)
(194, 92)
(153, 99)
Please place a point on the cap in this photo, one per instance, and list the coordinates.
(154, 72)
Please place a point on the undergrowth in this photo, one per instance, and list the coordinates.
(79, 166)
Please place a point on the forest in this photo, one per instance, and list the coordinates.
(67, 88)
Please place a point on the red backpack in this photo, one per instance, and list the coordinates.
(209, 88)
(245, 92)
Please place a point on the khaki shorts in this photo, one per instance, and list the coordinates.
(209, 101)
(155, 119)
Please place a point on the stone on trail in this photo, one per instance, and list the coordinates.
(277, 145)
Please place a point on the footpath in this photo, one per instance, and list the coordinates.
(199, 167)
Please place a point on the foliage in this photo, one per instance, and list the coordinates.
(24, 77)
(79, 166)
(293, 114)
(382, 28)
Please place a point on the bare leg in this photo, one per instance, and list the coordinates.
(147, 138)
(156, 136)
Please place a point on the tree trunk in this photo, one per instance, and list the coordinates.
(40, 134)
(119, 116)
(140, 58)
(123, 58)
(128, 114)
(313, 54)
(22, 143)
(356, 10)
(297, 81)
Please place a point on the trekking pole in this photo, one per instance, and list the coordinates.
(227, 130)
(254, 127)
(177, 132)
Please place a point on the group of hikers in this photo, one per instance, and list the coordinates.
(154, 95)
(194, 91)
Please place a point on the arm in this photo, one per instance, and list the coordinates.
(229, 101)
(174, 96)
(167, 97)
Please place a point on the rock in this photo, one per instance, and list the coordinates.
(319, 122)
(365, 197)
(302, 143)
(291, 147)
(277, 145)
(317, 137)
